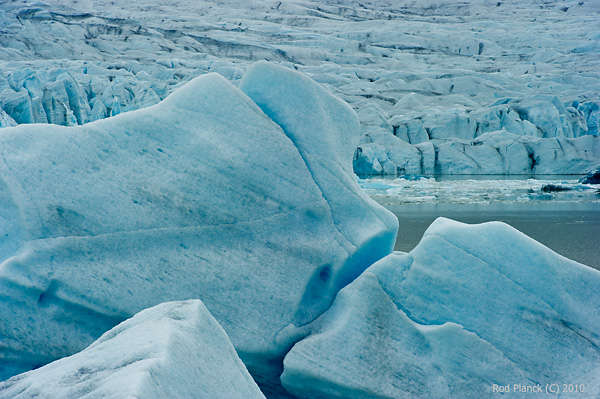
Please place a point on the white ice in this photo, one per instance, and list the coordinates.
(173, 350)
(237, 187)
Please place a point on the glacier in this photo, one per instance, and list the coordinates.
(172, 350)
(470, 308)
(203, 196)
(426, 100)
(537, 136)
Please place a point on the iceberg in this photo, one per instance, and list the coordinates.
(591, 178)
(202, 196)
(237, 187)
(472, 308)
(173, 350)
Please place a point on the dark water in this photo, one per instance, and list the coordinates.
(570, 229)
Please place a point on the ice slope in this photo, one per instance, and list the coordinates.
(6, 120)
(298, 105)
(429, 74)
(173, 350)
(471, 306)
(200, 196)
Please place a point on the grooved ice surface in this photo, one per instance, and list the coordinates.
(471, 306)
(304, 113)
(200, 196)
(173, 350)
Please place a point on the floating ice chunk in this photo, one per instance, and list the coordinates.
(298, 104)
(472, 191)
(591, 178)
(471, 306)
(201, 196)
(173, 350)
(378, 351)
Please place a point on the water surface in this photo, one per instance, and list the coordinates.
(566, 222)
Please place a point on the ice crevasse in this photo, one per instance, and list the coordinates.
(245, 199)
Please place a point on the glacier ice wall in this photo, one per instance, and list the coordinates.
(173, 350)
(429, 74)
(536, 135)
(472, 306)
(200, 196)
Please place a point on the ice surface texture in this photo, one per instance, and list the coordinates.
(534, 136)
(201, 196)
(430, 73)
(173, 350)
(469, 307)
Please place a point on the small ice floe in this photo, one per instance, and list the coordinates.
(591, 178)
(477, 190)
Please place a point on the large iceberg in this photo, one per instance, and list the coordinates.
(201, 196)
(472, 310)
(173, 350)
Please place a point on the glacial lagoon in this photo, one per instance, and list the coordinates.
(568, 222)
